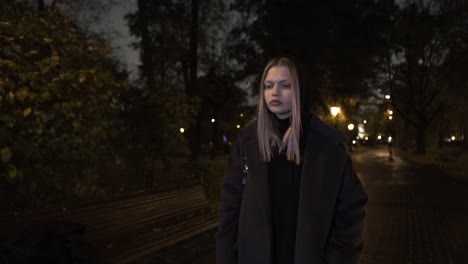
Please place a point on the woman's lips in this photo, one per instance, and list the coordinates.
(275, 103)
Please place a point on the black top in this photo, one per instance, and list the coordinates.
(284, 193)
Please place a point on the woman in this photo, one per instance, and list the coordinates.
(289, 193)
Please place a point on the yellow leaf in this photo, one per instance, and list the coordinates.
(12, 173)
(6, 154)
(43, 21)
(27, 111)
(22, 93)
(32, 52)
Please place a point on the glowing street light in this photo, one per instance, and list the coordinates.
(390, 117)
(366, 138)
(364, 122)
(379, 137)
(387, 97)
(350, 126)
(241, 115)
(335, 110)
(453, 138)
(182, 130)
(213, 120)
(389, 139)
(390, 112)
(238, 126)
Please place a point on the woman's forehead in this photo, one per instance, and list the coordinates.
(278, 73)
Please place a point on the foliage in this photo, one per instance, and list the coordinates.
(59, 96)
(169, 27)
(425, 65)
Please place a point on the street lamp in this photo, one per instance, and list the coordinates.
(212, 120)
(182, 130)
(364, 122)
(387, 97)
(350, 126)
(335, 110)
(390, 117)
(238, 126)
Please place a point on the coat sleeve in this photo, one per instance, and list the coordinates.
(345, 241)
(231, 196)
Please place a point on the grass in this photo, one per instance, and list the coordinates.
(451, 160)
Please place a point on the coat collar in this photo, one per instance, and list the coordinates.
(312, 127)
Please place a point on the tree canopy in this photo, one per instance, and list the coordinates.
(59, 97)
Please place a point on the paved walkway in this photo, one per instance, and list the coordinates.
(415, 214)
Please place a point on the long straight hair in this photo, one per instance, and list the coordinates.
(268, 135)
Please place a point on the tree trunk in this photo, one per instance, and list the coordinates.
(214, 144)
(192, 90)
(194, 140)
(421, 139)
(148, 72)
(40, 5)
(465, 133)
(147, 50)
(194, 49)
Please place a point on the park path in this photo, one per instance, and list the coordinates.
(416, 214)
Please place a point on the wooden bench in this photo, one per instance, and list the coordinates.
(125, 230)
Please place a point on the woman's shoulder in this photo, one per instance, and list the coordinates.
(249, 131)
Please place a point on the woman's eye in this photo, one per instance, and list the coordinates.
(268, 86)
(286, 85)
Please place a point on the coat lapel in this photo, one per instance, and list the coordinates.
(320, 170)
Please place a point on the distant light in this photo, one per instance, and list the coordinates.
(379, 137)
(453, 138)
(389, 139)
(390, 117)
(366, 138)
(335, 110)
(241, 115)
(238, 126)
(350, 126)
(358, 137)
(354, 142)
(387, 97)
(225, 139)
(182, 130)
(390, 112)
(364, 122)
(212, 120)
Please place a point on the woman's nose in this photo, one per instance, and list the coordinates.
(275, 91)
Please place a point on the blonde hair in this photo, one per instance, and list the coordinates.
(268, 134)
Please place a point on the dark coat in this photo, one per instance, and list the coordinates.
(331, 203)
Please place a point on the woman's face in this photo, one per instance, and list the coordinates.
(278, 91)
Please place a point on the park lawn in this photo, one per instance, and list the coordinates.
(453, 161)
